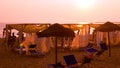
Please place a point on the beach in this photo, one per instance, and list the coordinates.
(11, 59)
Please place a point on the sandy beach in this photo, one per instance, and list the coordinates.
(10, 59)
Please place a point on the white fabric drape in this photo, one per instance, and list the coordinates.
(44, 44)
(75, 42)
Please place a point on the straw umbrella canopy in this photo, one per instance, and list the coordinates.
(108, 27)
(56, 30)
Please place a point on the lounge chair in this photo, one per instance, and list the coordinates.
(95, 52)
(91, 50)
(71, 62)
(103, 48)
(33, 51)
(87, 58)
(89, 45)
(99, 53)
(36, 53)
(32, 47)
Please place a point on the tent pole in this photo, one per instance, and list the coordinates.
(6, 36)
(62, 42)
(109, 44)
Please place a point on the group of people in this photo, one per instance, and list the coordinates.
(24, 40)
(11, 40)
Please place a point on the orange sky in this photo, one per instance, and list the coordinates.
(60, 11)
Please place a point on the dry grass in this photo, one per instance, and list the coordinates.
(9, 59)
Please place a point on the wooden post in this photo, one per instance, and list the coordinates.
(6, 36)
(62, 42)
(55, 50)
(109, 44)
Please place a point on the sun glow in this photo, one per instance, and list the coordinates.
(83, 22)
(85, 4)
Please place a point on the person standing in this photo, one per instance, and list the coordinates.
(12, 39)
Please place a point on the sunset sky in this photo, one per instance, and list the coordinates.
(59, 11)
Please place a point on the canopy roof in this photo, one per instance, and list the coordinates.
(35, 27)
(28, 28)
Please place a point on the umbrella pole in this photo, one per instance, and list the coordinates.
(55, 50)
(109, 44)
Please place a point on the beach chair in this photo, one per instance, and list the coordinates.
(32, 47)
(99, 53)
(71, 62)
(91, 50)
(36, 53)
(89, 45)
(103, 48)
(87, 58)
(33, 51)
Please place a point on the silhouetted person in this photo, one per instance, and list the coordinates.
(11, 40)
(22, 37)
(4, 31)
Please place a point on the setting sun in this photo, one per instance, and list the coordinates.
(85, 4)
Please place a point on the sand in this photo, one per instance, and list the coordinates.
(11, 59)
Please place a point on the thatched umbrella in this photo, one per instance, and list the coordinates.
(56, 30)
(108, 27)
